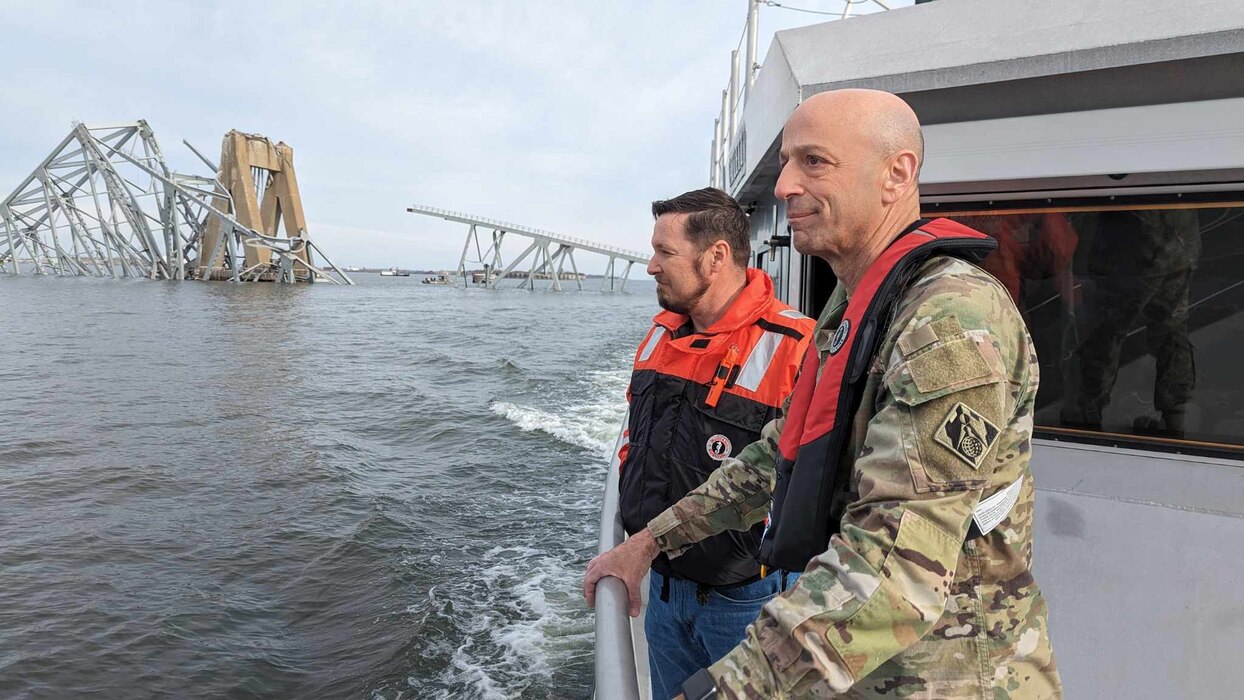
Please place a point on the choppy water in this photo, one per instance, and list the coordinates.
(385, 491)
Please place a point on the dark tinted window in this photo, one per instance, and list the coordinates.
(1135, 311)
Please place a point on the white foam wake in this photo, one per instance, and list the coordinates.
(523, 616)
(592, 427)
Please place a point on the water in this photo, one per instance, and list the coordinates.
(384, 491)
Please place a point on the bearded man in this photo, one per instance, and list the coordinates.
(713, 370)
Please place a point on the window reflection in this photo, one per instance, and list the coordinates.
(1135, 312)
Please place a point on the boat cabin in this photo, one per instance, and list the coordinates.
(1102, 144)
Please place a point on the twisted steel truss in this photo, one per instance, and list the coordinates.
(105, 204)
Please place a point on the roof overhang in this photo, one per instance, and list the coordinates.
(968, 60)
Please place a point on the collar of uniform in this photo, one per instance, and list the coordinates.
(836, 307)
(831, 316)
(748, 306)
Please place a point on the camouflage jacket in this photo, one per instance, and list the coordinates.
(903, 604)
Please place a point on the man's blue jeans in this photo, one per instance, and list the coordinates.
(685, 636)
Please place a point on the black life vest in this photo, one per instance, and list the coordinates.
(810, 468)
(697, 398)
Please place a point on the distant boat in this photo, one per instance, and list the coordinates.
(437, 279)
(394, 272)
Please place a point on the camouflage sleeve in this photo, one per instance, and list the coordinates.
(883, 582)
(734, 497)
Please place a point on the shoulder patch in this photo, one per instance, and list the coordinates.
(967, 434)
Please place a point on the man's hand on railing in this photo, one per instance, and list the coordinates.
(628, 561)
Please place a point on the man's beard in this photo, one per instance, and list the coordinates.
(685, 304)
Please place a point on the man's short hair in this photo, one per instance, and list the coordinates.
(714, 216)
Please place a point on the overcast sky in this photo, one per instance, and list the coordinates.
(564, 115)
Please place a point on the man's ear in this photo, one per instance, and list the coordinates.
(900, 176)
(719, 255)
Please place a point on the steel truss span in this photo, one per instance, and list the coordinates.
(551, 253)
(105, 204)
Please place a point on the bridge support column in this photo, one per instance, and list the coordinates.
(465, 247)
(606, 282)
(549, 260)
(537, 265)
(578, 278)
(510, 268)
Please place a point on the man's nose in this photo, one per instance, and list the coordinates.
(653, 267)
(787, 183)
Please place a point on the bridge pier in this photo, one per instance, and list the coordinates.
(105, 204)
(612, 281)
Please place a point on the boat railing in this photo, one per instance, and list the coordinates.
(616, 676)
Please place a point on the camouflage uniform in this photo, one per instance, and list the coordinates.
(903, 604)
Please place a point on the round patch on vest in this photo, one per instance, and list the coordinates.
(718, 447)
(840, 337)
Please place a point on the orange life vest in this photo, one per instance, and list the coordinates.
(698, 398)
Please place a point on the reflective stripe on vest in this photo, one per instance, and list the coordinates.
(653, 341)
(758, 362)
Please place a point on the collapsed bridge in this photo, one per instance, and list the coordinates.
(105, 204)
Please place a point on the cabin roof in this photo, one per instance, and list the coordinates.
(962, 42)
(960, 61)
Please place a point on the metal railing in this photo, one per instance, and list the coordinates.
(616, 672)
(744, 68)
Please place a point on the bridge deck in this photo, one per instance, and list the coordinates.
(539, 234)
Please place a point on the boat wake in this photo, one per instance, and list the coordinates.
(592, 426)
(521, 623)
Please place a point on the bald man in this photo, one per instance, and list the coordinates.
(899, 475)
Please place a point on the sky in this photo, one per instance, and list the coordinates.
(570, 116)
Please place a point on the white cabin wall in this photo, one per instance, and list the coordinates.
(1192, 136)
(766, 112)
(1132, 551)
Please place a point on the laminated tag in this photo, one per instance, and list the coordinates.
(993, 510)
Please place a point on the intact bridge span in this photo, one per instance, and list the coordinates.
(548, 252)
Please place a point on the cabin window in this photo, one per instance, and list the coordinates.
(1135, 309)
